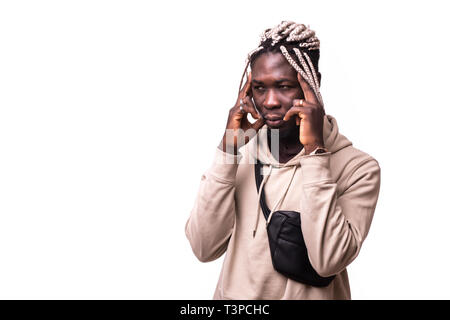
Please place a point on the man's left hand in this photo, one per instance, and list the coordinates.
(310, 115)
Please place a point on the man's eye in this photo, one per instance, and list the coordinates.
(259, 88)
(285, 87)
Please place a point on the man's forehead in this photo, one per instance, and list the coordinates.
(272, 65)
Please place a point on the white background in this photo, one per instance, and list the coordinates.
(110, 111)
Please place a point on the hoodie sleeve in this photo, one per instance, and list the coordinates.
(212, 218)
(334, 227)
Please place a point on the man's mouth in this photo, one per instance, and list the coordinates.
(274, 120)
(275, 123)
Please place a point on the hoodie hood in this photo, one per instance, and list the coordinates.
(334, 141)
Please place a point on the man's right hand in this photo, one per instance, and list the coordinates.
(239, 130)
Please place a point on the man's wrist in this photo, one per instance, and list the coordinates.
(228, 149)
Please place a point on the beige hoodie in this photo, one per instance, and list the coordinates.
(335, 192)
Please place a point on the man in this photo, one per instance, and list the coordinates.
(308, 166)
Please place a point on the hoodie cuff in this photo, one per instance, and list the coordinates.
(316, 168)
(225, 165)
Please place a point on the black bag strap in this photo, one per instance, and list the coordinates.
(259, 179)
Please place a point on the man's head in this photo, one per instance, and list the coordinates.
(284, 51)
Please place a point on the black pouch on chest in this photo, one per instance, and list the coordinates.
(287, 246)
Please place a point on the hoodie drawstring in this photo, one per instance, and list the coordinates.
(258, 206)
(282, 197)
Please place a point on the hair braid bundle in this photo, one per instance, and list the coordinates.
(291, 33)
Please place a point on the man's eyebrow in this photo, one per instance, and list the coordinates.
(277, 81)
(285, 80)
(257, 82)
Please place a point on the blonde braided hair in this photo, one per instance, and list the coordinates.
(298, 35)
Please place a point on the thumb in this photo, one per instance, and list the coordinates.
(258, 124)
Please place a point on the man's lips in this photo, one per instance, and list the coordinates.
(274, 120)
(273, 117)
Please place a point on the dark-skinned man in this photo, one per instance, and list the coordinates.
(308, 167)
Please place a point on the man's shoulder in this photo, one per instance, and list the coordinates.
(351, 163)
(350, 156)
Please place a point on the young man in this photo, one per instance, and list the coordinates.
(308, 167)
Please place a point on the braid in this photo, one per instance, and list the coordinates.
(316, 81)
(305, 66)
(301, 40)
(295, 65)
(311, 72)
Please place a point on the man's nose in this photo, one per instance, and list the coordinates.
(271, 100)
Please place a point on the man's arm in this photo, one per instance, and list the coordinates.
(335, 228)
(212, 219)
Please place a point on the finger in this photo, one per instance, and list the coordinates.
(246, 125)
(302, 103)
(250, 107)
(248, 90)
(295, 110)
(258, 124)
(247, 87)
(298, 103)
(310, 96)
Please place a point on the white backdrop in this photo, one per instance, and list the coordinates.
(110, 111)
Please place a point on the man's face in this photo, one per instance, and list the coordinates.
(274, 88)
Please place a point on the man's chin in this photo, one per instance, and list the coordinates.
(280, 128)
(284, 130)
